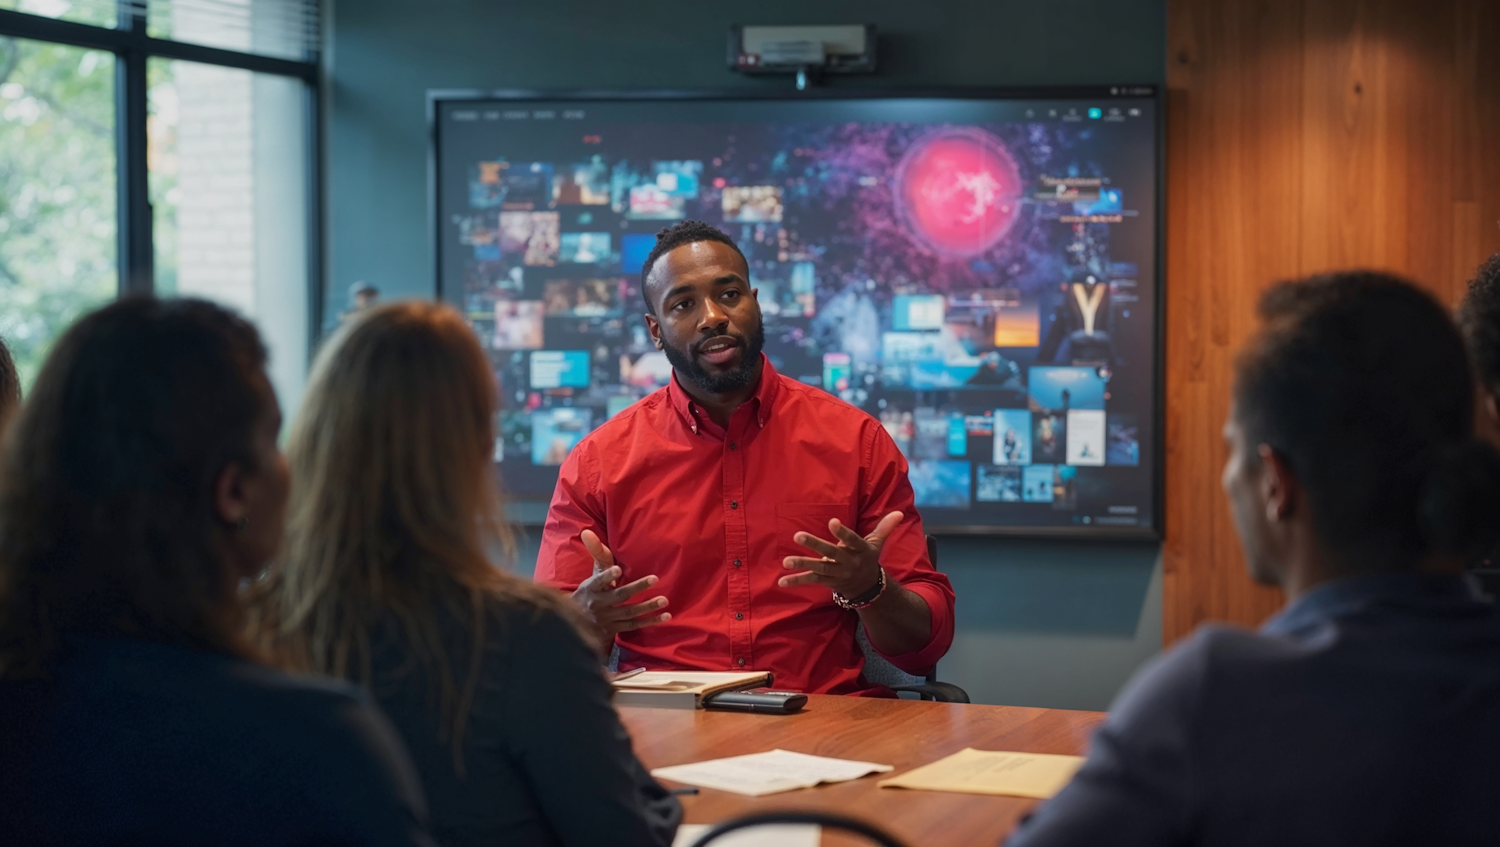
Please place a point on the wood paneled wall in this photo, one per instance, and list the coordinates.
(1303, 136)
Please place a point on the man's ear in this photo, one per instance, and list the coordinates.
(1487, 414)
(654, 327)
(1279, 488)
(229, 494)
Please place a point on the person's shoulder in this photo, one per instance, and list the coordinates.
(1216, 641)
(643, 413)
(1201, 663)
(270, 712)
(323, 712)
(1235, 653)
(1175, 678)
(317, 732)
(810, 399)
(520, 603)
(186, 674)
(1212, 647)
(326, 743)
(529, 618)
(299, 693)
(533, 640)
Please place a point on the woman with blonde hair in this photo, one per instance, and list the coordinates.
(387, 579)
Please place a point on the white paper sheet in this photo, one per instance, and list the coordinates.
(756, 774)
(786, 835)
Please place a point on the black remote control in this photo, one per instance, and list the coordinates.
(757, 700)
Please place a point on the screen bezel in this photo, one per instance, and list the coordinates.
(532, 512)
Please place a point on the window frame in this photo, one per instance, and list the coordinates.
(132, 48)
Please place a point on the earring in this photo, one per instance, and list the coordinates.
(242, 524)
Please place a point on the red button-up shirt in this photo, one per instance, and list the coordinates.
(712, 513)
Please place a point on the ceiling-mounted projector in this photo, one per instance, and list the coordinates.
(802, 50)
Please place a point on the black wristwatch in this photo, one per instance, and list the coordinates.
(863, 601)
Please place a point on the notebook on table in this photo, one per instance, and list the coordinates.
(681, 689)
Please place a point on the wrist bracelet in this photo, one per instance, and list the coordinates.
(865, 600)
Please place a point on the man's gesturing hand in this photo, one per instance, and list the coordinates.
(605, 604)
(851, 567)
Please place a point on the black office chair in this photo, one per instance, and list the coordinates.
(882, 672)
(824, 819)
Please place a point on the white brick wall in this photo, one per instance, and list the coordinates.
(216, 185)
(241, 187)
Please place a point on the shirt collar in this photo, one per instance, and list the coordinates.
(762, 401)
(1349, 595)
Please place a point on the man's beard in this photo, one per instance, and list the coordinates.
(686, 364)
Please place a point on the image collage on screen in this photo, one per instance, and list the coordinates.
(983, 288)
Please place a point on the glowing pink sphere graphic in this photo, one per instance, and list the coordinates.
(958, 191)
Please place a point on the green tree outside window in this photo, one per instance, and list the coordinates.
(57, 192)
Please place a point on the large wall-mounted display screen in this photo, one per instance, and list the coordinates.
(977, 273)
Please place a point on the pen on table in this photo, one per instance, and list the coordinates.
(678, 792)
(626, 674)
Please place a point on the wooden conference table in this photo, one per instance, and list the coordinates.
(904, 733)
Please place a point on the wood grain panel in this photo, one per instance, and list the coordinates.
(1304, 137)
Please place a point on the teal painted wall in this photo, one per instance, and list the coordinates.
(1060, 625)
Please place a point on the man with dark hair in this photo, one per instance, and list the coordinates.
(717, 382)
(1479, 318)
(1364, 712)
(773, 517)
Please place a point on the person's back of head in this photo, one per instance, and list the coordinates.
(10, 386)
(139, 486)
(1479, 318)
(1357, 485)
(139, 483)
(395, 511)
(1351, 435)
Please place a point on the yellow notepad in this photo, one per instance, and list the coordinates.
(971, 771)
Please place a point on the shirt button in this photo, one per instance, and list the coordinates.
(733, 446)
(739, 616)
(741, 662)
(736, 562)
(734, 504)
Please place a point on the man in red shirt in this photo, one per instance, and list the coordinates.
(772, 517)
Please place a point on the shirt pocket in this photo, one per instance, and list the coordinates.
(811, 518)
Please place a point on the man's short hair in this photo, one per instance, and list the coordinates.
(674, 236)
(1364, 420)
(1479, 318)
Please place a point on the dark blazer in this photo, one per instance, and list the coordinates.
(545, 760)
(139, 742)
(1366, 713)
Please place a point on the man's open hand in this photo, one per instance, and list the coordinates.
(851, 567)
(605, 604)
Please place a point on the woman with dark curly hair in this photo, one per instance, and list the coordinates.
(10, 386)
(140, 485)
